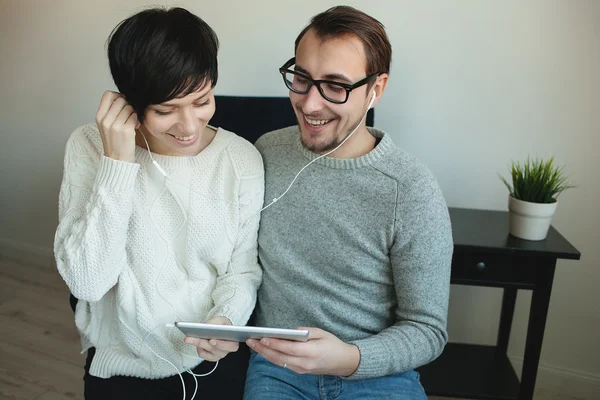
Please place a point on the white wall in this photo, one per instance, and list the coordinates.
(474, 84)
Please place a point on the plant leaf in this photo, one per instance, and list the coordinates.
(536, 180)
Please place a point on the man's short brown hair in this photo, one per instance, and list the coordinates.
(340, 21)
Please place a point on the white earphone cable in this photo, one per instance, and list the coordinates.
(169, 325)
(322, 155)
(164, 173)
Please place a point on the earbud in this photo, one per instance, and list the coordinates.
(322, 155)
(372, 101)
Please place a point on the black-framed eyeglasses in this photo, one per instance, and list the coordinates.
(333, 91)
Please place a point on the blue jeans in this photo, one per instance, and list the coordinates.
(266, 381)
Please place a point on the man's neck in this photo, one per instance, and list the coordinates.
(361, 143)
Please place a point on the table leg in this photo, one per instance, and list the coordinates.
(509, 299)
(540, 301)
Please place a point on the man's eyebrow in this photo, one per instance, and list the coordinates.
(300, 69)
(337, 77)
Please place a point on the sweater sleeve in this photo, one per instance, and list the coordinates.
(234, 296)
(420, 257)
(95, 204)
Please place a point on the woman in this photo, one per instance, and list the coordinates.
(158, 219)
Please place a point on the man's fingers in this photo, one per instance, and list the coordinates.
(285, 346)
(313, 333)
(279, 358)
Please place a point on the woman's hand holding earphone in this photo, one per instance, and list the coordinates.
(117, 122)
(214, 349)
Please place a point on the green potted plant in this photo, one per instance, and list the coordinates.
(532, 196)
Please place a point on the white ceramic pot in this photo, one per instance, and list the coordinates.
(530, 221)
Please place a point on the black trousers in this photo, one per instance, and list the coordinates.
(225, 383)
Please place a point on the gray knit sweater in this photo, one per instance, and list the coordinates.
(358, 247)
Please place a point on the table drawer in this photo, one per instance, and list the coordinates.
(493, 269)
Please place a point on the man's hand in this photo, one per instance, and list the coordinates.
(213, 349)
(322, 354)
(117, 122)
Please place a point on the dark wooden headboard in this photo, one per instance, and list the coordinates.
(250, 117)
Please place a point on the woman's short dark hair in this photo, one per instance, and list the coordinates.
(160, 54)
(339, 21)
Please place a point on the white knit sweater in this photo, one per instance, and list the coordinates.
(139, 250)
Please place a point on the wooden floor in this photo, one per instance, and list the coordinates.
(39, 345)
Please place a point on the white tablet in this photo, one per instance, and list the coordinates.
(238, 333)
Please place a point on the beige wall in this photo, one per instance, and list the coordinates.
(474, 84)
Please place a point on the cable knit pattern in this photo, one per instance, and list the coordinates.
(139, 250)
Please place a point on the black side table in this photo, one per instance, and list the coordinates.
(486, 255)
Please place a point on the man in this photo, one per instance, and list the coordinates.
(358, 251)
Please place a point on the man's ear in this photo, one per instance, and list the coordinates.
(379, 87)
